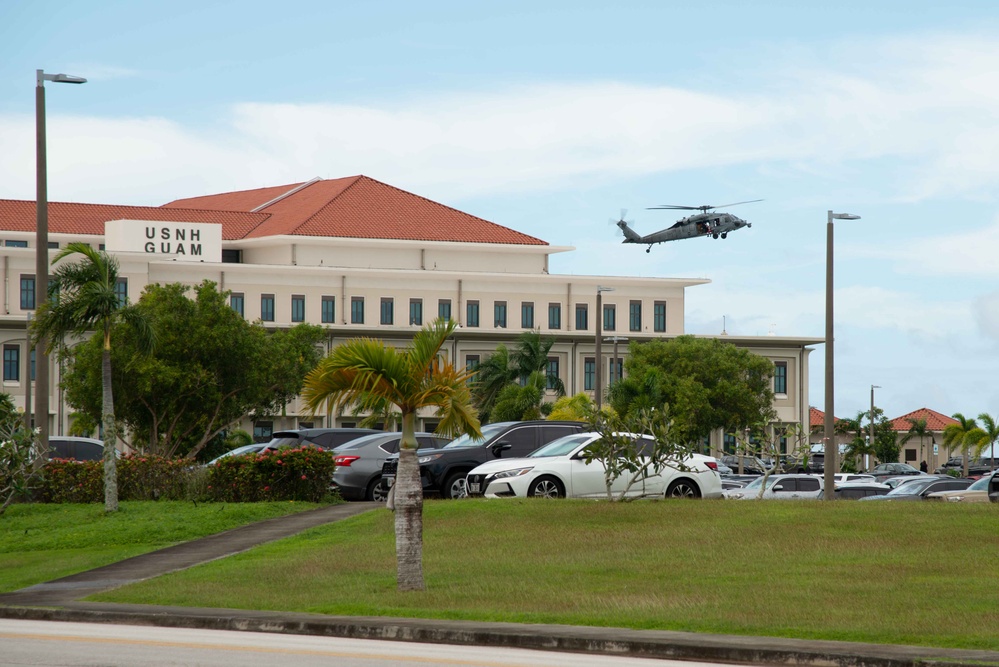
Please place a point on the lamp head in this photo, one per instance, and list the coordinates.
(845, 216)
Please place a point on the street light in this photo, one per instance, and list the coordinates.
(616, 365)
(871, 436)
(831, 450)
(600, 315)
(42, 249)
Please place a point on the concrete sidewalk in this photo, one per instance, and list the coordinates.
(59, 600)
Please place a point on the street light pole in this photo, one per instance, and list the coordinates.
(42, 250)
(831, 450)
(871, 431)
(599, 362)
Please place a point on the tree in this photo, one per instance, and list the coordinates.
(706, 383)
(991, 430)
(917, 429)
(521, 402)
(859, 444)
(83, 297)
(617, 452)
(966, 435)
(503, 368)
(210, 368)
(367, 370)
(573, 408)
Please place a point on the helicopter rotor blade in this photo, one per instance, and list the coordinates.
(750, 201)
(675, 208)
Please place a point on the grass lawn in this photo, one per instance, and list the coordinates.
(44, 542)
(900, 573)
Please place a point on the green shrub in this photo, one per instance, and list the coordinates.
(65, 481)
(286, 474)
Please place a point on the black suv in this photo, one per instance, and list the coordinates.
(443, 471)
(324, 438)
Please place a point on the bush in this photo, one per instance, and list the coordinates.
(285, 474)
(139, 478)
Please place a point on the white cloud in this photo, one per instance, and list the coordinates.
(931, 102)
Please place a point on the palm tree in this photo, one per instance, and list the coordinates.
(917, 428)
(503, 368)
(965, 434)
(83, 298)
(991, 429)
(367, 370)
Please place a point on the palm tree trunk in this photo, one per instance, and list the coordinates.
(409, 510)
(110, 435)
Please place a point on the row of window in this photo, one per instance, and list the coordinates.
(28, 291)
(552, 370)
(53, 245)
(472, 312)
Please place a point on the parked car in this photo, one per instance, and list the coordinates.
(751, 465)
(857, 490)
(728, 483)
(722, 468)
(844, 477)
(780, 487)
(559, 470)
(75, 448)
(919, 489)
(358, 472)
(324, 438)
(443, 471)
(255, 448)
(894, 482)
(976, 493)
(883, 471)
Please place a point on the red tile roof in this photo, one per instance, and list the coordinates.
(359, 207)
(71, 218)
(816, 417)
(354, 207)
(934, 420)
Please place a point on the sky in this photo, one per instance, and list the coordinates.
(553, 117)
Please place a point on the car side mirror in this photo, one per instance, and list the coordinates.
(778, 487)
(500, 447)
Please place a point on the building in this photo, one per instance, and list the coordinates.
(363, 258)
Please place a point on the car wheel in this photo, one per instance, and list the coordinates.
(683, 488)
(454, 487)
(546, 487)
(377, 491)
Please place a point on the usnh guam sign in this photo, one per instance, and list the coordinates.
(194, 241)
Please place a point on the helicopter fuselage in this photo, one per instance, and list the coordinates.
(714, 225)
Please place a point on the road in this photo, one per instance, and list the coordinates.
(63, 644)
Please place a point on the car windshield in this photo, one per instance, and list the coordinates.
(980, 485)
(283, 442)
(911, 489)
(488, 431)
(758, 482)
(245, 449)
(562, 446)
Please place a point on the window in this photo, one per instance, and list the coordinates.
(910, 454)
(262, 431)
(387, 311)
(581, 318)
(616, 370)
(53, 245)
(554, 316)
(267, 307)
(499, 314)
(297, 307)
(444, 308)
(12, 363)
(659, 316)
(329, 310)
(236, 303)
(101, 246)
(16, 244)
(472, 314)
(471, 363)
(551, 373)
(416, 312)
(635, 316)
(527, 315)
(589, 372)
(728, 443)
(232, 256)
(780, 377)
(121, 291)
(357, 310)
(27, 292)
(610, 317)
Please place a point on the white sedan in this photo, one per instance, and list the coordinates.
(559, 470)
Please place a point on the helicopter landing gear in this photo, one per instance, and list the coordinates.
(649, 249)
(715, 235)
(725, 235)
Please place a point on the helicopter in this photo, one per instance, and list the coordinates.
(704, 223)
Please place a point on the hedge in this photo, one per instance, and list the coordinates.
(303, 473)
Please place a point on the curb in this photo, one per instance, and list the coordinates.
(572, 639)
